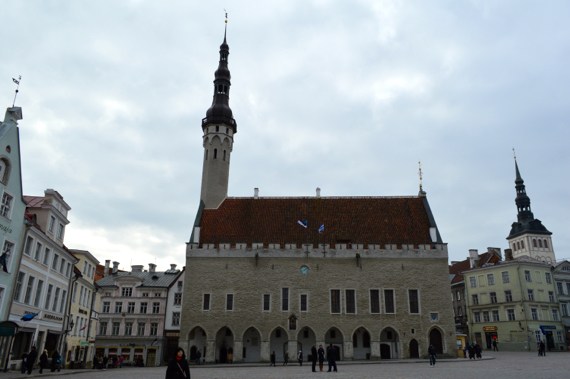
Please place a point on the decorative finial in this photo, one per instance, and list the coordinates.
(420, 175)
(514, 154)
(226, 21)
(17, 81)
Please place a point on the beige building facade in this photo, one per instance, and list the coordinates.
(514, 302)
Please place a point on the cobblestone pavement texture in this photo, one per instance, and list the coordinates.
(504, 365)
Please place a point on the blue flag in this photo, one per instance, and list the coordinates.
(303, 223)
(29, 316)
(322, 228)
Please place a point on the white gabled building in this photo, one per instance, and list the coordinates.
(12, 212)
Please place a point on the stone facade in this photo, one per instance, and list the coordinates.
(250, 331)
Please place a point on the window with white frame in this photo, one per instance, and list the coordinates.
(505, 276)
(491, 279)
(39, 289)
(473, 282)
(350, 298)
(206, 302)
(51, 223)
(374, 301)
(7, 251)
(335, 301)
(38, 253)
(18, 287)
(229, 302)
(6, 207)
(389, 301)
(303, 302)
(29, 289)
(178, 298)
(414, 301)
(266, 302)
(175, 318)
(284, 299)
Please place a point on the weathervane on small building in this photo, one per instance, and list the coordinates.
(17, 81)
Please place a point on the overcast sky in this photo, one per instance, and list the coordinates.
(345, 96)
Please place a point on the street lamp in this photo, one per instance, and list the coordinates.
(71, 324)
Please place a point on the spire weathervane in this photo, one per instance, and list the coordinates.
(17, 81)
(420, 174)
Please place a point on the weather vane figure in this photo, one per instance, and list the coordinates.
(17, 81)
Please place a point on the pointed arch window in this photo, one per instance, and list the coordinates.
(224, 155)
(522, 244)
(546, 244)
(539, 243)
(533, 242)
(215, 153)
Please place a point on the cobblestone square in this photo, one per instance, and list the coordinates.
(504, 365)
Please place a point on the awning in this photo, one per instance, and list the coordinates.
(8, 328)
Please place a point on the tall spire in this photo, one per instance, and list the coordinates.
(220, 111)
(522, 200)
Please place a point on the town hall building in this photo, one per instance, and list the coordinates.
(264, 275)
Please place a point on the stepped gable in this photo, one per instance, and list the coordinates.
(347, 220)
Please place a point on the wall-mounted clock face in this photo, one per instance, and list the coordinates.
(304, 269)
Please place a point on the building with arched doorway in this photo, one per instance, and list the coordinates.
(367, 275)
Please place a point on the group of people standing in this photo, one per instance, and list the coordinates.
(29, 360)
(473, 351)
(317, 355)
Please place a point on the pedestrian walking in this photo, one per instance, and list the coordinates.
(285, 359)
(431, 353)
(331, 358)
(321, 357)
(272, 357)
(55, 361)
(178, 366)
(32, 356)
(300, 357)
(43, 361)
(24, 365)
(495, 347)
(314, 358)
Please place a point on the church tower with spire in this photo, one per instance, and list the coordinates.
(528, 237)
(219, 128)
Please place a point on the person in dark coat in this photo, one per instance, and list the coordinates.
(331, 358)
(43, 361)
(431, 353)
(55, 361)
(178, 366)
(32, 356)
(314, 358)
(272, 359)
(24, 366)
(321, 354)
(300, 357)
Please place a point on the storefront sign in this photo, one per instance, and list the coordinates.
(489, 328)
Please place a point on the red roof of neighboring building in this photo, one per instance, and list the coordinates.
(457, 268)
(350, 220)
(34, 201)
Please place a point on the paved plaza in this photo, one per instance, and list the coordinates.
(504, 365)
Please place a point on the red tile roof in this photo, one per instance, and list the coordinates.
(34, 201)
(350, 220)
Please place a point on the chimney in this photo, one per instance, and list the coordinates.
(151, 267)
(256, 193)
(115, 267)
(137, 268)
(173, 266)
(107, 264)
(508, 254)
(473, 258)
(318, 192)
